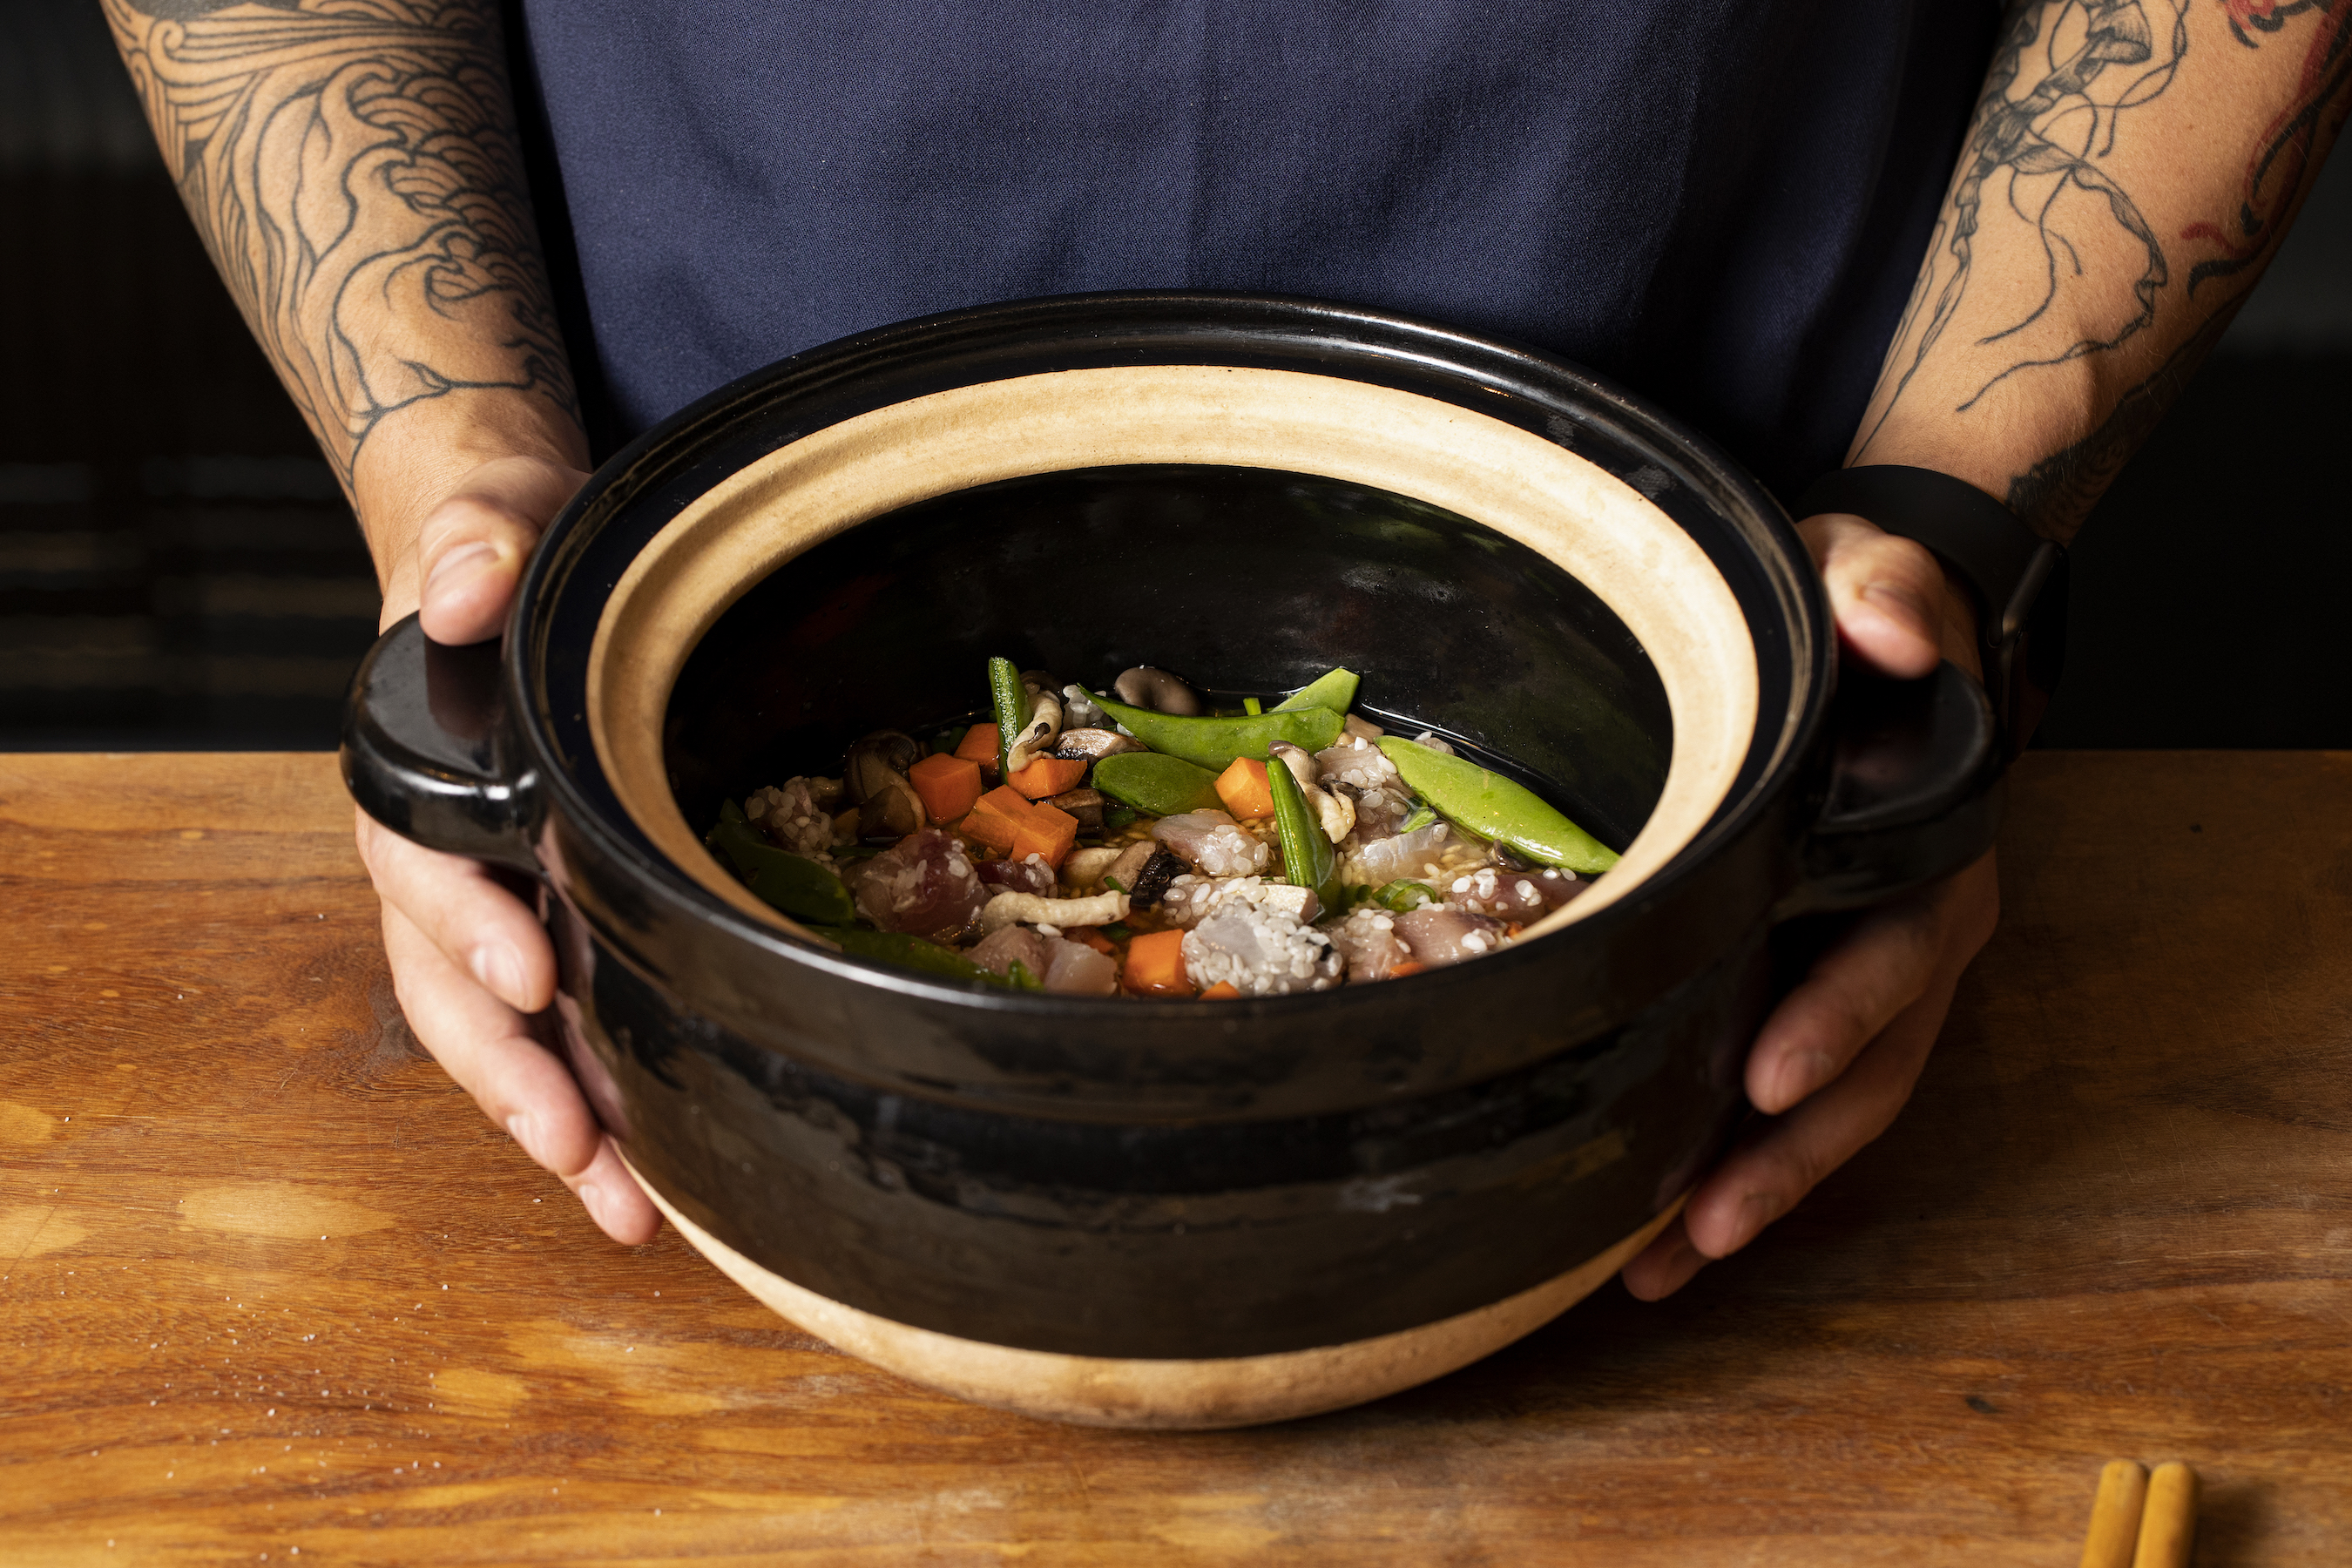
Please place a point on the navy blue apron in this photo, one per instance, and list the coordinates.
(1720, 202)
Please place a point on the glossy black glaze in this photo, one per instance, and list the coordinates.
(1169, 1179)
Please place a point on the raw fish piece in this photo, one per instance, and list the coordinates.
(924, 885)
(1212, 844)
(1441, 935)
(1077, 969)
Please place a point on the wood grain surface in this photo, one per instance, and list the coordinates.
(274, 1291)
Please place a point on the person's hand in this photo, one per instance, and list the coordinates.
(470, 962)
(1836, 1060)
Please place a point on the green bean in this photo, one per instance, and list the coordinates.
(1149, 782)
(1308, 859)
(1213, 744)
(1492, 807)
(909, 952)
(1335, 690)
(1010, 701)
(1402, 897)
(1017, 975)
(792, 883)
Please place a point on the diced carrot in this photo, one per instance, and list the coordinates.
(1093, 937)
(1223, 991)
(1155, 964)
(1047, 776)
(980, 744)
(1007, 802)
(996, 819)
(1410, 966)
(948, 785)
(1244, 789)
(1047, 830)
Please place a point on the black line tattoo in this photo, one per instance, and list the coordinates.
(353, 167)
(2030, 150)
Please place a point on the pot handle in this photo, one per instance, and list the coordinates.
(1915, 790)
(428, 753)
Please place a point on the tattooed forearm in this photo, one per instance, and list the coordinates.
(2072, 283)
(2286, 153)
(351, 165)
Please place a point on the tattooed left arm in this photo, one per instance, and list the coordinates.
(2129, 171)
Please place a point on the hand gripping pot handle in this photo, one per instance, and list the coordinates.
(1913, 792)
(428, 750)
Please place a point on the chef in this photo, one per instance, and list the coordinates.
(1977, 248)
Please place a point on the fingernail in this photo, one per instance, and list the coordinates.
(456, 565)
(591, 1198)
(1896, 602)
(525, 1130)
(500, 969)
(1803, 1073)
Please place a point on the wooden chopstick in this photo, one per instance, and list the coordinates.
(2115, 1516)
(2138, 1521)
(2169, 1523)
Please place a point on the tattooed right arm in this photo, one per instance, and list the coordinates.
(351, 165)
(352, 168)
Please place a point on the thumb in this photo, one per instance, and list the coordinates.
(471, 547)
(1888, 595)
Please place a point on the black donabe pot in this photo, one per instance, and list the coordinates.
(1172, 1213)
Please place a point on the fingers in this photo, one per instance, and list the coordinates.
(1665, 1266)
(491, 1052)
(1866, 1016)
(613, 1200)
(460, 908)
(1766, 1176)
(1888, 593)
(471, 547)
(1855, 990)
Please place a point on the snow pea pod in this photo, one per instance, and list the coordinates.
(1492, 807)
(909, 953)
(792, 883)
(1308, 860)
(1335, 690)
(1161, 785)
(1213, 744)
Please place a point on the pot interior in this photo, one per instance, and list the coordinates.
(1248, 528)
(1240, 579)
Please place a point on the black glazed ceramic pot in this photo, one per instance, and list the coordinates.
(1167, 1212)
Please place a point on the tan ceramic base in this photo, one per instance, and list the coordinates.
(1103, 1390)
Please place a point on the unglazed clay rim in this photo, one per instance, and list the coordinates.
(1596, 527)
(1170, 1395)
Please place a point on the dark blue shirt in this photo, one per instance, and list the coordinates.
(1720, 203)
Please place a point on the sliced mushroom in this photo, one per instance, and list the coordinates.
(876, 777)
(1085, 868)
(1036, 737)
(1079, 712)
(1123, 870)
(1153, 880)
(1335, 811)
(1144, 687)
(1028, 909)
(1092, 745)
(1085, 804)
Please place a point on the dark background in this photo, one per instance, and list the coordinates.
(177, 568)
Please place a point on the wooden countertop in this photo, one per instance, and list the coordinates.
(275, 1292)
